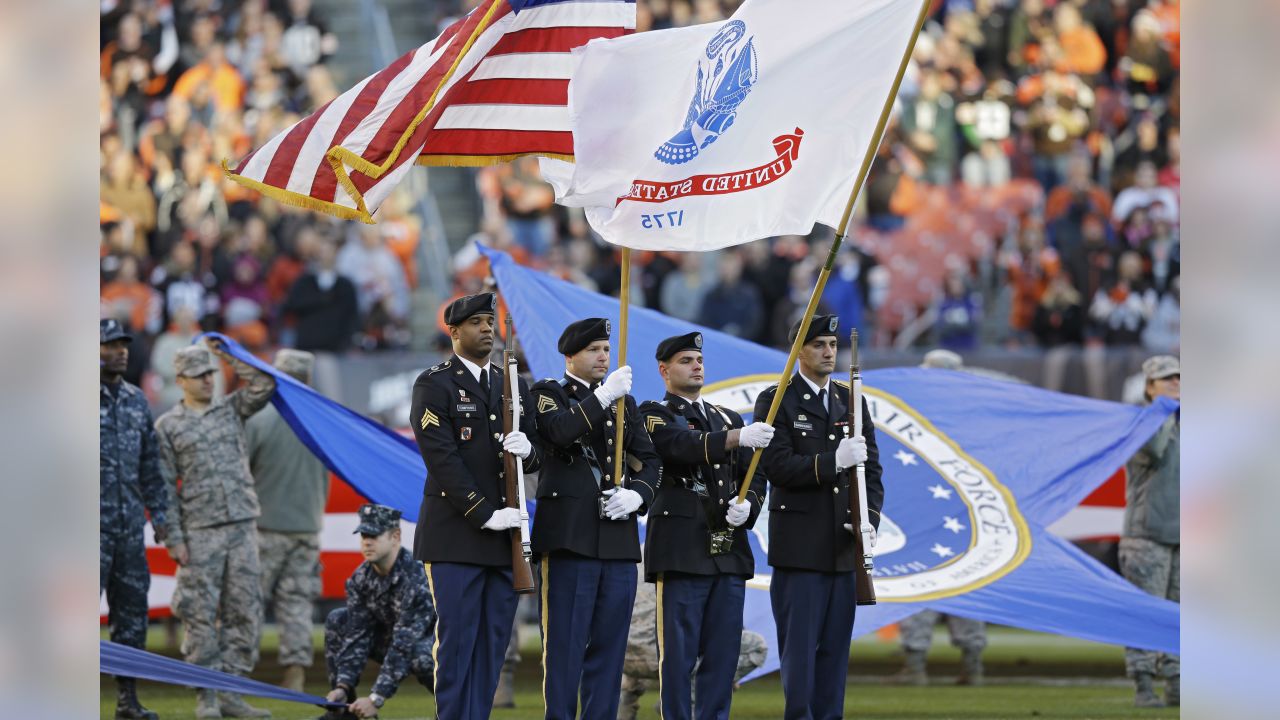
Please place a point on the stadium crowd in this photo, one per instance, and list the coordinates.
(1026, 194)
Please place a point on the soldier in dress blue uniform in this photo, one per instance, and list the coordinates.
(464, 525)
(129, 473)
(585, 530)
(810, 527)
(705, 450)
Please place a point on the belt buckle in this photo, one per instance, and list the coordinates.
(721, 542)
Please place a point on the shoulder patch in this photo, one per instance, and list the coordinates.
(428, 419)
(842, 383)
(442, 366)
(653, 422)
(546, 404)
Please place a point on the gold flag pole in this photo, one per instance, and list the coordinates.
(625, 299)
(867, 158)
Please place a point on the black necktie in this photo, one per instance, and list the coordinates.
(697, 410)
(822, 398)
(484, 380)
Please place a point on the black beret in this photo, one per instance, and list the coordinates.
(581, 334)
(821, 325)
(464, 307)
(673, 345)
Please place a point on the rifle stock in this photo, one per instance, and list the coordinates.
(513, 469)
(864, 560)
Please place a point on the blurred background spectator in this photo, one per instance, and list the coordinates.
(1025, 195)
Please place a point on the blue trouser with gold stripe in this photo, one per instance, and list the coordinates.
(475, 607)
(813, 612)
(586, 616)
(699, 616)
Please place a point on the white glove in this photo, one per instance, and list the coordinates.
(852, 451)
(739, 510)
(756, 435)
(615, 386)
(503, 519)
(517, 443)
(849, 527)
(622, 502)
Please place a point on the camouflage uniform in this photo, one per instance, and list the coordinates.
(129, 476)
(388, 618)
(1150, 544)
(290, 584)
(218, 597)
(1150, 549)
(292, 487)
(640, 669)
(966, 634)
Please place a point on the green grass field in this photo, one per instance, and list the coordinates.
(1029, 675)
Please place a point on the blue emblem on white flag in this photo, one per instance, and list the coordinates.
(726, 73)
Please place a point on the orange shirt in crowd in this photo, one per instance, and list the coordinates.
(1083, 52)
(137, 297)
(402, 240)
(284, 271)
(225, 85)
(1171, 24)
(1059, 200)
(1029, 284)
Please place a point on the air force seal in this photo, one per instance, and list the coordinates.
(949, 525)
(724, 79)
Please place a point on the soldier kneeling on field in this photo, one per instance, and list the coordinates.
(389, 617)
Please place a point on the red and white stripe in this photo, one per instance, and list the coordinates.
(493, 86)
(1099, 517)
(339, 551)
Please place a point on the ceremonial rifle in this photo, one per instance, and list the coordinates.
(864, 559)
(513, 470)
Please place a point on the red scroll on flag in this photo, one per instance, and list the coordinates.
(492, 87)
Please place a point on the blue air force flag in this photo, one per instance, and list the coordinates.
(702, 137)
(975, 469)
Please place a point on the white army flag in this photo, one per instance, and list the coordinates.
(703, 137)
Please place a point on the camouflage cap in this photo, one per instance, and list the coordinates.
(297, 363)
(942, 359)
(377, 519)
(1160, 366)
(110, 329)
(194, 361)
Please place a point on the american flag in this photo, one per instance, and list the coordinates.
(492, 87)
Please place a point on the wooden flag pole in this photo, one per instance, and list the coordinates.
(624, 299)
(867, 159)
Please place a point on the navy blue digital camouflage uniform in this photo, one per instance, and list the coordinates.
(388, 618)
(129, 473)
